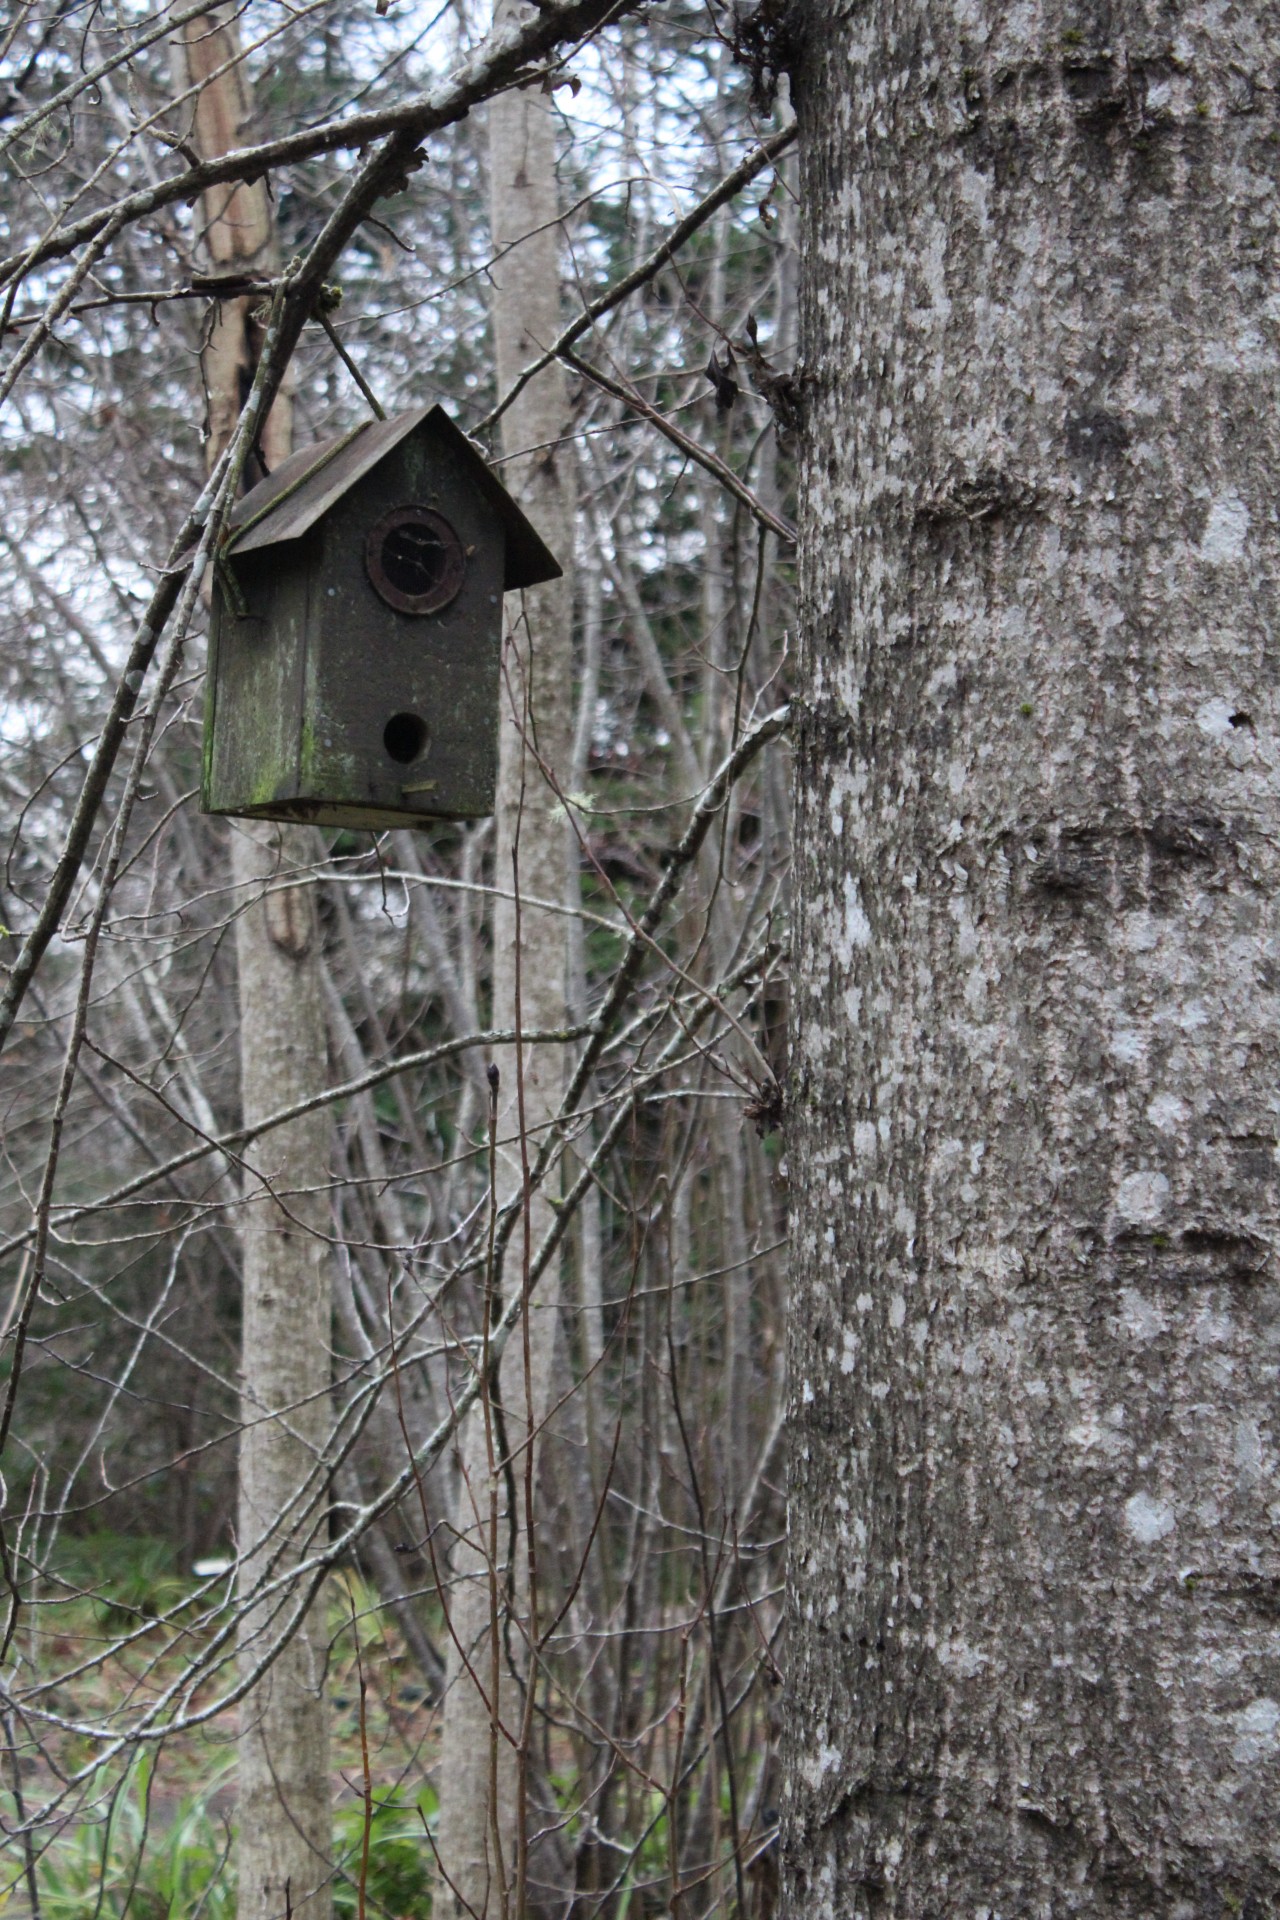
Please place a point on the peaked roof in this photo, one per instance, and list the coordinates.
(302, 489)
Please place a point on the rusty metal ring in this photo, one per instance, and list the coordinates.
(415, 560)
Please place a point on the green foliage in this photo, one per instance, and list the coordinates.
(143, 1859)
(651, 1865)
(131, 1576)
(400, 1856)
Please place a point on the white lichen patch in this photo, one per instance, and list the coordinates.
(1247, 1449)
(1257, 1730)
(1128, 1046)
(1246, 352)
(958, 1657)
(1148, 1518)
(1142, 932)
(1142, 1199)
(856, 931)
(1211, 1327)
(846, 789)
(1090, 1433)
(1167, 1112)
(1226, 529)
(1214, 717)
(1144, 1319)
(816, 1766)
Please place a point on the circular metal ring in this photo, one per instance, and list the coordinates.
(415, 560)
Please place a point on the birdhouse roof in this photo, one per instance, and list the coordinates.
(290, 501)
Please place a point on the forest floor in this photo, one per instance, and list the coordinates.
(153, 1835)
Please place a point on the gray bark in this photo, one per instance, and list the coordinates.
(484, 1772)
(284, 1790)
(284, 1833)
(1033, 1664)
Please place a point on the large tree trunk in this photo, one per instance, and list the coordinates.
(482, 1832)
(1035, 1562)
(284, 1818)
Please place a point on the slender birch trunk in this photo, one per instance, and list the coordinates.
(1033, 1665)
(284, 1798)
(484, 1776)
(284, 1819)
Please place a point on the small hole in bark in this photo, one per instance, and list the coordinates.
(1241, 720)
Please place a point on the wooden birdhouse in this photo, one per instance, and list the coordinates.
(356, 636)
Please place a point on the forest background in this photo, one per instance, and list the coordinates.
(652, 1632)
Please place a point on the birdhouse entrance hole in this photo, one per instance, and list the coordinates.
(405, 737)
(415, 560)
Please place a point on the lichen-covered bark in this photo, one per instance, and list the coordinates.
(284, 1836)
(284, 1842)
(1034, 1667)
(237, 233)
(480, 1832)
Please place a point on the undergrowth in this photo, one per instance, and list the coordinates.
(155, 1839)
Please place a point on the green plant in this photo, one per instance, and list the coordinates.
(400, 1857)
(143, 1861)
(131, 1576)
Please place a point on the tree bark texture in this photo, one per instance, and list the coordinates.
(284, 1836)
(237, 236)
(284, 1789)
(1035, 1551)
(481, 1836)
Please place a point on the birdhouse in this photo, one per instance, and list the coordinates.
(356, 635)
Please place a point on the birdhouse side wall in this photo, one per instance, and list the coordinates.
(253, 700)
(370, 665)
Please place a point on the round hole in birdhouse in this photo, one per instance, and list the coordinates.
(415, 560)
(405, 737)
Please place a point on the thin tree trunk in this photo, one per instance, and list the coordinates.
(1034, 1557)
(484, 1771)
(284, 1819)
(284, 1797)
